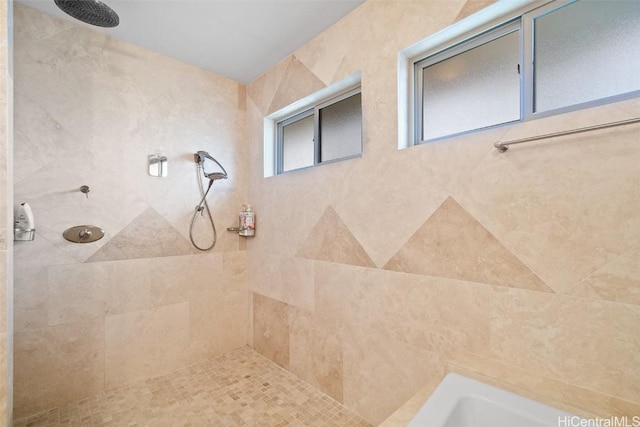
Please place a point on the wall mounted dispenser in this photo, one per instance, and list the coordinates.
(246, 222)
(24, 227)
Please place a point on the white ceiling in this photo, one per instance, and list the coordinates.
(238, 39)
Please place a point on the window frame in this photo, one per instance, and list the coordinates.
(529, 65)
(280, 138)
(447, 47)
(314, 110)
(467, 44)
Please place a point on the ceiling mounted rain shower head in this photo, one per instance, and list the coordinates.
(92, 12)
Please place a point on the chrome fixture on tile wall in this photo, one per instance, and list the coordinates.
(23, 223)
(83, 233)
(158, 165)
(200, 158)
(504, 146)
(246, 222)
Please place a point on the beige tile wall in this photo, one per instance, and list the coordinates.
(370, 276)
(6, 215)
(142, 301)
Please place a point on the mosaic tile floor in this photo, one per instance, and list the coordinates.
(240, 388)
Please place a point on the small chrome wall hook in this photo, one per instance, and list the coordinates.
(85, 189)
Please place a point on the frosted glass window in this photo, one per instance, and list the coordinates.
(298, 148)
(329, 130)
(586, 51)
(341, 129)
(475, 89)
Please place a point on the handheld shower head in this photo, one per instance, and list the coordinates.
(200, 158)
(216, 175)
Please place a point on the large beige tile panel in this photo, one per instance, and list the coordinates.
(74, 292)
(30, 299)
(254, 131)
(560, 205)
(283, 278)
(185, 278)
(219, 325)
(129, 286)
(39, 138)
(617, 281)
(330, 240)
(418, 311)
(325, 53)
(147, 236)
(218, 319)
(591, 344)
(271, 329)
(298, 82)
(337, 287)
(381, 372)
(411, 308)
(38, 253)
(452, 244)
(58, 364)
(316, 353)
(234, 264)
(145, 343)
(263, 89)
(77, 292)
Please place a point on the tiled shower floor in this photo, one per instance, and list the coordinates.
(240, 388)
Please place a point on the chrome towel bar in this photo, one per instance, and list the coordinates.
(504, 146)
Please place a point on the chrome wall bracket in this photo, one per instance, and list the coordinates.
(158, 165)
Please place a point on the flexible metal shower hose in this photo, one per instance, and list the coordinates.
(203, 205)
